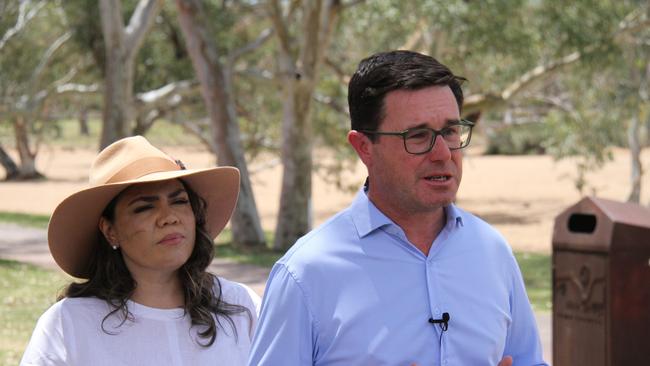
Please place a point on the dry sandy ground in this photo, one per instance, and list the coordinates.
(519, 195)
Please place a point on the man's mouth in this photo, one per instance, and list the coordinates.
(438, 178)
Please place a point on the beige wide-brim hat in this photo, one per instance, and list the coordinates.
(73, 232)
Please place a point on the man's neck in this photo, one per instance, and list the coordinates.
(421, 228)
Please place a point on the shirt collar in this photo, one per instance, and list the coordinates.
(368, 218)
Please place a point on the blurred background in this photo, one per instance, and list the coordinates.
(559, 91)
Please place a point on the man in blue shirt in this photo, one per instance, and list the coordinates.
(402, 276)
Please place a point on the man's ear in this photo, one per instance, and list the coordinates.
(106, 227)
(362, 145)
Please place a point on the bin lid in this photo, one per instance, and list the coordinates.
(589, 224)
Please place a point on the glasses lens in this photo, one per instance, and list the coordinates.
(456, 136)
(418, 140)
(421, 140)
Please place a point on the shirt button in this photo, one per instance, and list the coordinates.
(437, 310)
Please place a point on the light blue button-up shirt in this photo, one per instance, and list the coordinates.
(355, 291)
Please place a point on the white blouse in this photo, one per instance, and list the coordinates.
(70, 333)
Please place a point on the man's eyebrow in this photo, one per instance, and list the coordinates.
(419, 125)
(448, 122)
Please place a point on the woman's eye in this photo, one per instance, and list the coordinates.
(182, 201)
(142, 208)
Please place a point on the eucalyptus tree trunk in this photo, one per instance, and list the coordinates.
(83, 122)
(299, 75)
(11, 170)
(27, 168)
(122, 45)
(217, 91)
(294, 215)
(635, 158)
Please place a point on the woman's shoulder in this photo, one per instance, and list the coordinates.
(238, 294)
(73, 308)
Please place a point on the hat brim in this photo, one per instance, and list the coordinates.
(74, 226)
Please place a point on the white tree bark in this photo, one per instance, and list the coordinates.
(11, 169)
(121, 45)
(635, 160)
(25, 14)
(26, 109)
(298, 75)
(27, 168)
(217, 91)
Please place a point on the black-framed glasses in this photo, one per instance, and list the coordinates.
(420, 140)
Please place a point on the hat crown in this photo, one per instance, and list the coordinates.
(127, 159)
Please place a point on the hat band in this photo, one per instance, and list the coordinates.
(143, 167)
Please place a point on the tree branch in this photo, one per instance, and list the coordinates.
(416, 36)
(275, 12)
(47, 56)
(111, 14)
(478, 102)
(198, 128)
(332, 103)
(264, 36)
(72, 88)
(352, 3)
(140, 22)
(184, 87)
(24, 16)
(260, 74)
(634, 22)
(342, 75)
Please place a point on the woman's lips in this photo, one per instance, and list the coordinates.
(171, 239)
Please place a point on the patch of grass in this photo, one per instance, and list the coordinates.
(30, 220)
(536, 270)
(263, 257)
(66, 133)
(258, 256)
(26, 292)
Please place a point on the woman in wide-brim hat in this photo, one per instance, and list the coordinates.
(141, 238)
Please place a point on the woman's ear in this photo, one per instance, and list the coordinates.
(362, 145)
(106, 227)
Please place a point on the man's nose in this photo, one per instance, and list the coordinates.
(440, 150)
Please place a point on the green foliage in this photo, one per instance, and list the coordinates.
(26, 292)
(23, 53)
(524, 139)
(23, 219)
(162, 58)
(491, 42)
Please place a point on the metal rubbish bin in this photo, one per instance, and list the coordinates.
(601, 284)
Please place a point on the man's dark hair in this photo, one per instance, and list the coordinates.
(384, 72)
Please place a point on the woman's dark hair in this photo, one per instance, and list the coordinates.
(110, 279)
(384, 72)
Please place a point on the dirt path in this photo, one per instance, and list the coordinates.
(30, 246)
(519, 195)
